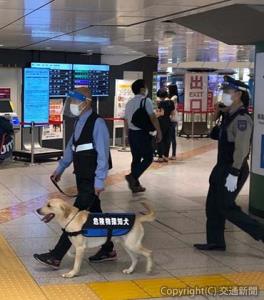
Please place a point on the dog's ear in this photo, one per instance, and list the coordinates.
(66, 210)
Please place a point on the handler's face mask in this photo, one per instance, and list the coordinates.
(75, 109)
(74, 104)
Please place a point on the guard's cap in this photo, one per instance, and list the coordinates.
(231, 83)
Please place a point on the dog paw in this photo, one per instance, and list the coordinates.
(148, 270)
(68, 275)
(127, 271)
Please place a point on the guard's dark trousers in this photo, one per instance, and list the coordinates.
(86, 199)
(221, 206)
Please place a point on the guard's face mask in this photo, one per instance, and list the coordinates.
(75, 104)
(227, 99)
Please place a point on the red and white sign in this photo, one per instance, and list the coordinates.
(5, 93)
(196, 105)
(196, 85)
(210, 101)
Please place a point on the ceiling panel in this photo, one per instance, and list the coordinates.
(112, 27)
(24, 5)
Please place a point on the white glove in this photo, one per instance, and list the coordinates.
(231, 183)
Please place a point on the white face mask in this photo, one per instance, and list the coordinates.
(75, 110)
(227, 99)
(146, 92)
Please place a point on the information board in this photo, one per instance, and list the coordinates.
(61, 78)
(65, 77)
(36, 95)
(122, 95)
(96, 77)
(54, 131)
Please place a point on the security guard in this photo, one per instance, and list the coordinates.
(88, 149)
(232, 170)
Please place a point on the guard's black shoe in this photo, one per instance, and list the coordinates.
(47, 259)
(209, 247)
(102, 255)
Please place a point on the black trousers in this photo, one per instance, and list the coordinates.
(141, 150)
(86, 200)
(173, 142)
(221, 206)
(164, 145)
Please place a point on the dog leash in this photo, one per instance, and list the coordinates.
(57, 186)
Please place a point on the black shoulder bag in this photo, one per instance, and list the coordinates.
(141, 118)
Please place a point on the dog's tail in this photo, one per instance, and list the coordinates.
(149, 216)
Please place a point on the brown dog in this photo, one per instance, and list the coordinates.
(68, 215)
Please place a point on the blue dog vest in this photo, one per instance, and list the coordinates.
(106, 225)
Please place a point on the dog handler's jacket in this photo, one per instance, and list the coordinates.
(88, 149)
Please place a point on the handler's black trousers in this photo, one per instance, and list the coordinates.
(86, 200)
(221, 206)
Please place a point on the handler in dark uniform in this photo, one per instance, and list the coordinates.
(232, 170)
(88, 149)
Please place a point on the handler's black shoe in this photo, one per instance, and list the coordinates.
(209, 247)
(131, 181)
(47, 259)
(102, 255)
(138, 189)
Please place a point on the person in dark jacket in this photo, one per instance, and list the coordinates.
(173, 96)
(165, 109)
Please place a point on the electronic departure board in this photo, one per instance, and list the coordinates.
(65, 77)
(61, 78)
(96, 77)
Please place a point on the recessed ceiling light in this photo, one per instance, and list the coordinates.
(147, 40)
(1, 45)
(169, 34)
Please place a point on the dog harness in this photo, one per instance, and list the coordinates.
(105, 225)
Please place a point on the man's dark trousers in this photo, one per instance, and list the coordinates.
(221, 205)
(86, 200)
(141, 150)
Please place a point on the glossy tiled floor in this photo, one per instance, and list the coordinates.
(177, 192)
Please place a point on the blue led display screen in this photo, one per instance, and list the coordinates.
(36, 95)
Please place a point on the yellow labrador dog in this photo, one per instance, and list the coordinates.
(72, 220)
